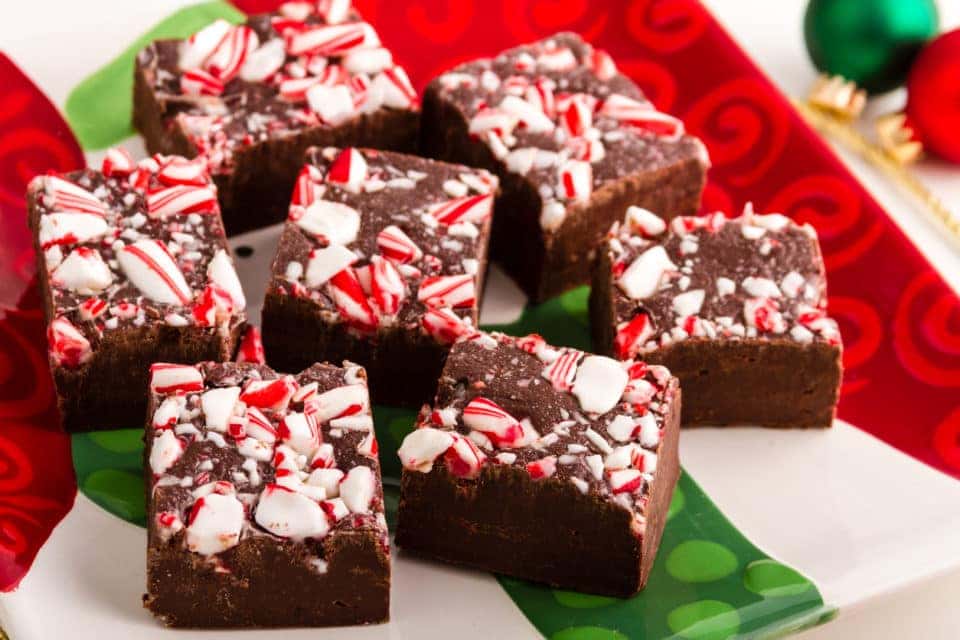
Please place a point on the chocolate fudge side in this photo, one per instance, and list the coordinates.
(545, 464)
(574, 143)
(252, 98)
(133, 267)
(381, 262)
(264, 501)
(735, 308)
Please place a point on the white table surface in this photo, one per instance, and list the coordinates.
(772, 33)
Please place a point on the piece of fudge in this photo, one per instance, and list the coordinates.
(381, 262)
(573, 141)
(133, 267)
(546, 464)
(264, 502)
(252, 98)
(735, 308)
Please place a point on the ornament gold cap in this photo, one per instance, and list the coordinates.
(837, 96)
(897, 139)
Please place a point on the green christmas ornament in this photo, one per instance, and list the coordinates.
(872, 42)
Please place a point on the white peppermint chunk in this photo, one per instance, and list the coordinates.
(84, 272)
(327, 262)
(642, 278)
(688, 303)
(166, 450)
(761, 287)
(329, 479)
(222, 273)
(358, 488)
(422, 447)
(79, 227)
(335, 221)
(649, 431)
(215, 524)
(791, 284)
(621, 428)
(333, 104)
(644, 222)
(725, 286)
(290, 514)
(599, 384)
(218, 406)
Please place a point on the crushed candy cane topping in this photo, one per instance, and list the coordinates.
(713, 277)
(303, 66)
(238, 451)
(132, 244)
(552, 412)
(558, 112)
(378, 239)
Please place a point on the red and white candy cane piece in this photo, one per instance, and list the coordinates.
(334, 11)
(562, 371)
(557, 59)
(349, 169)
(495, 121)
(397, 246)
(421, 448)
(83, 271)
(61, 195)
(264, 61)
(198, 47)
(171, 378)
(493, 421)
(299, 431)
(92, 308)
(68, 347)
(329, 40)
(181, 199)
(540, 94)
(259, 426)
(153, 271)
(398, 92)
(602, 64)
(348, 400)
(306, 191)
(181, 171)
(220, 271)
(295, 89)
(712, 222)
(578, 116)
(576, 180)
(641, 115)
(225, 61)
(269, 394)
(644, 222)
(117, 163)
(197, 82)
(165, 450)
(387, 285)
(61, 228)
(448, 291)
(444, 325)
(632, 335)
(214, 306)
(764, 315)
(625, 480)
(542, 468)
(463, 458)
(167, 414)
(475, 209)
(215, 523)
(325, 263)
(351, 302)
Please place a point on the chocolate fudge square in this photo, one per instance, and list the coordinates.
(545, 464)
(735, 308)
(573, 141)
(381, 262)
(251, 98)
(133, 267)
(264, 502)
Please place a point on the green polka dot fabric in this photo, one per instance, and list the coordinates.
(708, 583)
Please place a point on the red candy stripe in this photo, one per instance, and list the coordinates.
(444, 325)
(632, 335)
(397, 245)
(386, 285)
(169, 378)
(466, 209)
(197, 82)
(561, 371)
(351, 302)
(181, 199)
(117, 163)
(251, 347)
(448, 291)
